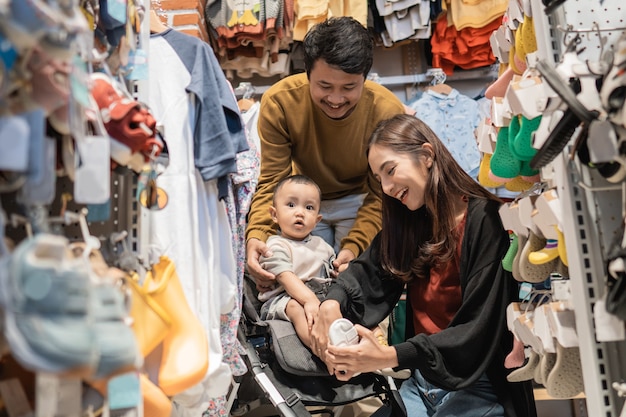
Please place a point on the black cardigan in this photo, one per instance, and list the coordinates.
(477, 339)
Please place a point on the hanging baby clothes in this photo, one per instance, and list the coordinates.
(309, 12)
(240, 190)
(405, 19)
(467, 48)
(453, 117)
(204, 132)
(251, 118)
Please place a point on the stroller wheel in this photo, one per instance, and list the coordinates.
(239, 410)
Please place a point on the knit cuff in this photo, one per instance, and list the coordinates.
(353, 248)
(257, 234)
(407, 352)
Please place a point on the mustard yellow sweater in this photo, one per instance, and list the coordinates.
(297, 137)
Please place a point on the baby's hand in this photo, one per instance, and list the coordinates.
(311, 308)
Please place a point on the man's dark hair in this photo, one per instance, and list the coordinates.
(342, 42)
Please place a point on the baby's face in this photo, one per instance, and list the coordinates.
(296, 209)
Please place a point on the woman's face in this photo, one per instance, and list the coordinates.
(399, 175)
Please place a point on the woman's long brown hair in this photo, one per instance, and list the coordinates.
(413, 242)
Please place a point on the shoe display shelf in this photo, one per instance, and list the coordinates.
(592, 207)
(43, 390)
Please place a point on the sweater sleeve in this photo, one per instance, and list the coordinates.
(458, 355)
(365, 293)
(275, 165)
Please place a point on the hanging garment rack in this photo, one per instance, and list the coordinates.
(488, 73)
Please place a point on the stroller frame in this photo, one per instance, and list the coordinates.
(297, 395)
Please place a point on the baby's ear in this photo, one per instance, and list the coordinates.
(318, 218)
(272, 211)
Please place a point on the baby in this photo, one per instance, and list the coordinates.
(300, 261)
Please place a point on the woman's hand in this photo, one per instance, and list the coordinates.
(328, 312)
(367, 356)
(264, 280)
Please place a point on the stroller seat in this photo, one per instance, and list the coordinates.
(284, 372)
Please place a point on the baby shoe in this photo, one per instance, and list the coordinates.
(526, 372)
(546, 364)
(118, 350)
(507, 261)
(521, 242)
(50, 80)
(342, 333)
(528, 35)
(150, 322)
(529, 174)
(522, 143)
(546, 254)
(125, 119)
(116, 343)
(47, 302)
(565, 379)
(483, 173)
(531, 272)
(515, 358)
(14, 141)
(498, 87)
(54, 24)
(518, 184)
(503, 164)
(187, 337)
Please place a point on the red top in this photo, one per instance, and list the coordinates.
(436, 301)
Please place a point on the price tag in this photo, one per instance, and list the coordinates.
(117, 10)
(124, 392)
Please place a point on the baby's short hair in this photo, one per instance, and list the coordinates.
(298, 179)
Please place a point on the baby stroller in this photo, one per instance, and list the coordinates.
(283, 372)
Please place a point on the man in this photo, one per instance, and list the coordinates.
(318, 124)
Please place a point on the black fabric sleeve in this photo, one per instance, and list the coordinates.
(458, 355)
(365, 293)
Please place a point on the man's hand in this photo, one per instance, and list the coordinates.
(341, 261)
(254, 250)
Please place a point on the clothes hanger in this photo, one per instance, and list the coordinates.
(438, 84)
(441, 89)
(244, 104)
(247, 101)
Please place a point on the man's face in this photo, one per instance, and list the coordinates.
(334, 91)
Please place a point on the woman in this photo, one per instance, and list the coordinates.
(442, 237)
